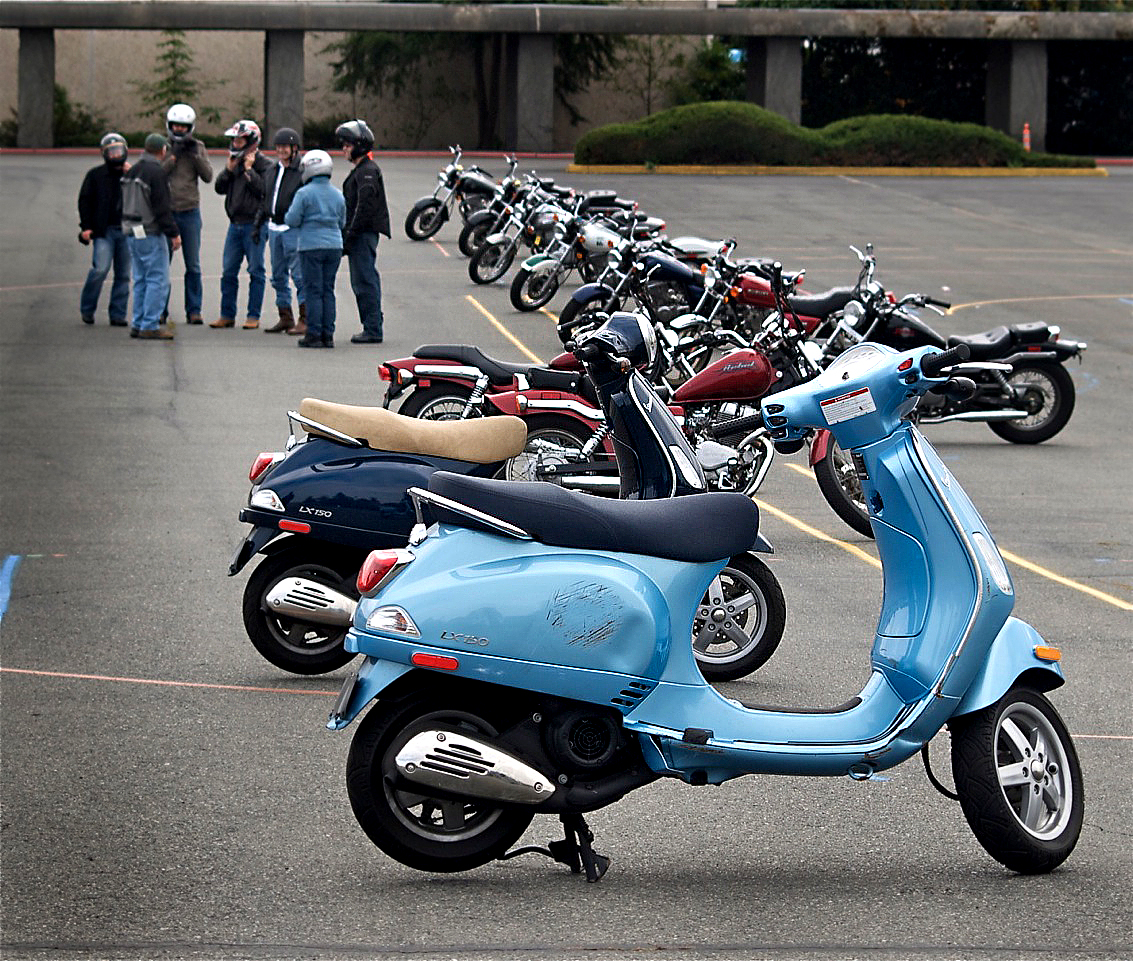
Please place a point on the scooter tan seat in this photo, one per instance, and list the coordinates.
(481, 440)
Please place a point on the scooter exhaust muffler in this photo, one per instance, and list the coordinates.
(465, 765)
(307, 600)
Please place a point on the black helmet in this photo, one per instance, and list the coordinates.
(358, 134)
(286, 137)
(114, 149)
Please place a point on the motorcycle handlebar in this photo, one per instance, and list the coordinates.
(736, 425)
(937, 303)
(933, 364)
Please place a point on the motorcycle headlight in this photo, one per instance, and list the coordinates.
(649, 336)
(853, 314)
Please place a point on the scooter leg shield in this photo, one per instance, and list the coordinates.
(1012, 654)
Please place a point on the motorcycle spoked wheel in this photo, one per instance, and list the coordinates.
(839, 483)
(425, 219)
(1047, 396)
(739, 621)
(301, 647)
(491, 262)
(437, 403)
(1019, 781)
(421, 829)
(475, 232)
(533, 287)
(550, 440)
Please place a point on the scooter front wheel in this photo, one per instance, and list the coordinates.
(424, 830)
(298, 646)
(740, 620)
(1019, 781)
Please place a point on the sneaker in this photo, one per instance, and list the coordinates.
(88, 318)
(159, 334)
(365, 338)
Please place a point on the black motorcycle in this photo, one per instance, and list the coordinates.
(472, 189)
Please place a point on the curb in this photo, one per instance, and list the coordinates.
(754, 170)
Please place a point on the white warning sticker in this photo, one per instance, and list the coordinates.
(848, 406)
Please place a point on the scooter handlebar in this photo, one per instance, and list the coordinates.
(933, 365)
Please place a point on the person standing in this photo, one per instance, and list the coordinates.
(241, 183)
(280, 185)
(317, 216)
(100, 224)
(147, 219)
(367, 216)
(186, 164)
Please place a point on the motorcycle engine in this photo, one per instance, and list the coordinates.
(581, 740)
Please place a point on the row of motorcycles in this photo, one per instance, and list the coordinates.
(530, 648)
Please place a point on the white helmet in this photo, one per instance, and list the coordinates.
(315, 163)
(180, 113)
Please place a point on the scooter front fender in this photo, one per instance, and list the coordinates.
(1010, 657)
(258, 538)
(363, 686)
(820, 446)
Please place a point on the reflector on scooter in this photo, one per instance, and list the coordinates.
(295, 527)
(1047, 652)
(439, 661)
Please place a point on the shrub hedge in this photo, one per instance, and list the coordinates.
(730, 132)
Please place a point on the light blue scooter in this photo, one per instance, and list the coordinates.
(529, 652)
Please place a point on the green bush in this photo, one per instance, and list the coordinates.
(730, 132)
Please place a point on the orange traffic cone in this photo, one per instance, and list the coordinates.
(1027, 137)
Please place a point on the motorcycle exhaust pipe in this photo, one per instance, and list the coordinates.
(307, 600)
(593, 485)
(468, 766)
(976, 416)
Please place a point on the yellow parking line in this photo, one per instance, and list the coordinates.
(1008, 555)
(520, 345)
(1029, 300)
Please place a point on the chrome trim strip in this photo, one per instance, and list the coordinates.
(423, 370)
(323, 429)
(542, 404)
(418, 494)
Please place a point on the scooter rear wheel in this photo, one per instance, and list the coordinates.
(301, 647)
(1019, 781)
(430, 832)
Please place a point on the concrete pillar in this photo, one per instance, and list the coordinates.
(1016, 89)
(283, 81)
(535, 93)
(36, 105)
(775, 75)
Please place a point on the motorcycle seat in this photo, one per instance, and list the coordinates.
(821, 304)
(991, 343)
(500, 373)
(718, 524)
(482, 440)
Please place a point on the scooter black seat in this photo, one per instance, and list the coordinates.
(695, 528)
(821, 304)
(500, 373)
(991, 343)
(481, 440)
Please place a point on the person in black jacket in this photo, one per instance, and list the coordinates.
(367, 216)
(280, 184)
(147, 220)
(100, 224)
(241, 183)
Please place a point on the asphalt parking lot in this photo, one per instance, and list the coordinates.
(168, 794)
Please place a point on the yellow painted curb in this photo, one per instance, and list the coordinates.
(760, 170)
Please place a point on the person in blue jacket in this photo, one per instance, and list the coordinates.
(318, 215)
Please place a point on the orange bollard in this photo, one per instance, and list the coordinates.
(1027, 137)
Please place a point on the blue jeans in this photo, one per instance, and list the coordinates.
(238, 246)
(365, 282)
(285, 261)
(320, 267)
(189, 223)
(109, 251)
(150, 256)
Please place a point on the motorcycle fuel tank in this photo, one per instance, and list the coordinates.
(742, 375)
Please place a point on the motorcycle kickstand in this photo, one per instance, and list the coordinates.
(574, 850)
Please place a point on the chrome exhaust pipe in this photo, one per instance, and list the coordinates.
(307, 600)
(465, 765)
(976, 416)
(592, 484)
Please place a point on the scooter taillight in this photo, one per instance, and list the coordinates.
(379, 567)
(262, 464)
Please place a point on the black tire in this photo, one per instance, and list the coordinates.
(839, 483)
(533, 288)
(491, 262)
(739, 621)
(1048, 399)
(1019, 781)
(474, 204)
(475, 232)
(442, 834)
(425, 219)
(579, 317)
(442, 402)
(293, 645)
(550, 440)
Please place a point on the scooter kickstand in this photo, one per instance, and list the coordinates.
(575, 849)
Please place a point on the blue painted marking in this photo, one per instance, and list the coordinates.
(7, 572)
(1125, 300)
